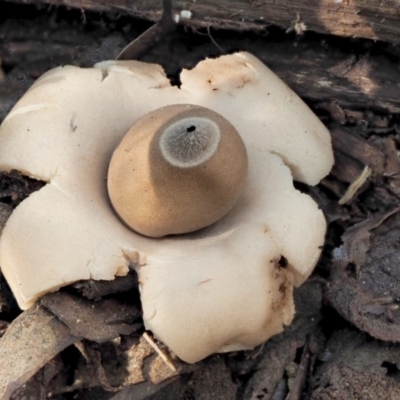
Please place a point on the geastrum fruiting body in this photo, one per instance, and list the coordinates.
(178, 169)
(217, 289)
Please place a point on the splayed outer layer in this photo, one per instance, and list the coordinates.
(219, 289)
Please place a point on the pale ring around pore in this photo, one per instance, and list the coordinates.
(190, 141)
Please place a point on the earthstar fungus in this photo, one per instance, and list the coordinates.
(218, 289)
(180, 168)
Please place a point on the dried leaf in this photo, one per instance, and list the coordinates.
(354, 367)
(95, 290)
(268, 368)
(37, 387)
(368, 296)
(356, 241)
(97, 321)
(388, 147)
(116, 365)
(32, 339)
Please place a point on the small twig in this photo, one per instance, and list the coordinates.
(151, 37)
(300, 380)
(212, 39)
(352, 189)
(163, 356)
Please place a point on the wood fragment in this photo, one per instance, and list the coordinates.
(353, 153)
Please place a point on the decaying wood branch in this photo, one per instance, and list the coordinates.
(318, 70)
(372, 19)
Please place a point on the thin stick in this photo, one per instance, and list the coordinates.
(151, 37)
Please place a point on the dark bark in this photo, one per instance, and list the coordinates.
(371, 19)
(362, 75)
